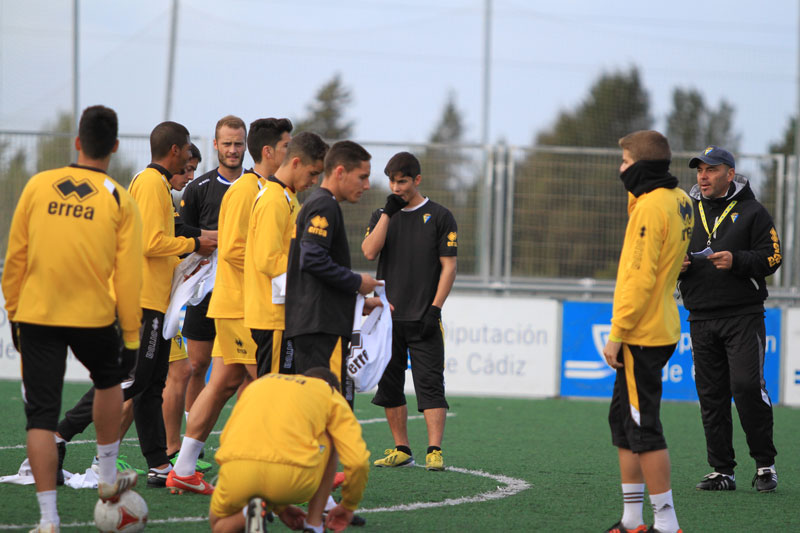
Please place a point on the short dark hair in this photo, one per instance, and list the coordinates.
(403, 163)
(266, 132)
(164, 136)
(195, 153)
(308, 146)
(97, 131)
(646, 145)
(346, 153)
(232, 121)
(325, 374)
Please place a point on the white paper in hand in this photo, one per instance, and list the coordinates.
(371, 343)
(279, 289)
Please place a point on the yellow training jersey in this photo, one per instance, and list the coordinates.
(76, 235)
(271, 225)
(151, 190)
(291, 434)
(227, 300)
(659, 228)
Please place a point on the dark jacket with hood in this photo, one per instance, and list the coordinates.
(749, 234)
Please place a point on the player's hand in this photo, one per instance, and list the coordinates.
(394, 203)
(127, 358)
(210, 233)
(685, 264)
(368, 284)
(293, 517)
(431, 322)
(611, 353)
(339, 518)
(722, 260)
(15, 335)
(207, 245)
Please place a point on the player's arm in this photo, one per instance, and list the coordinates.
(446, 279)
(127, 277)
(153, 201)
(234, 218)
(634, 289)
(375, 236)
(315, 257)
(353, 454)
(271, 257)
(16, 262)
(765, 255)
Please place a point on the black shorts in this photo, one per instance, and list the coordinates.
(44, 361)
(635, 412)
(274, 354)
(196, 325)
(427, 368)
(329, 351)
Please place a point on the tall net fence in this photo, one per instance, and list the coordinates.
(533, 219)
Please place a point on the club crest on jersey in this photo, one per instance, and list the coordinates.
(69, 188)
(318, 225)
(426, 217)
(734, 216)
(452, 239)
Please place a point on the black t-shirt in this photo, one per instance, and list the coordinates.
(201, 200)
(409, 260)
(320, 287)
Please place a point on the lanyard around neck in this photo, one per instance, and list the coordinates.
(719, 220)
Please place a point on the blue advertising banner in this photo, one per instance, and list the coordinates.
(584, 372)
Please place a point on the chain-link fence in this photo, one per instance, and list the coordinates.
(546, 220)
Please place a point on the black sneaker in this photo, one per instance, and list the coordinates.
(62, 452)
(156, 478)
(619, 528)
(358, 520)
(766, 479)
(717, 481)
(257, 516)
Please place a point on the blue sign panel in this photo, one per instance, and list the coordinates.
(584, 372)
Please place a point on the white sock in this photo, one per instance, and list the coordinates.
(187, 457)
(107, 462)
(186, 414)
(47, 507)
(315, 529)
(331, 504)
(664, 511)
(632, 497)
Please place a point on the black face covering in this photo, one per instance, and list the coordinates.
(645, 176)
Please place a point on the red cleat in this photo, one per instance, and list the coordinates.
(338, 479)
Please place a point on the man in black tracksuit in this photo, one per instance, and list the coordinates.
(733, 248)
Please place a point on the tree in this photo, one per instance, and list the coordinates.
(13, 177)
(569, 209)
(325, 115)
(692, 125)
(786, 144)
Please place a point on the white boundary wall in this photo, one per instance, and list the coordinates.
(790, 366)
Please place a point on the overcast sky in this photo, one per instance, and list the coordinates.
(400, 58)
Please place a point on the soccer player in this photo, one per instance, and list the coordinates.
(200, 208)
(320, 286)
(724, 293)
(416, 242)
(270, 233)
(75, 231)
(272, 458)
(237, 365)
(645, 327)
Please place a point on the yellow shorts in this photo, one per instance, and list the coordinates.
(177, 350)
(279, 484)
(233, 342)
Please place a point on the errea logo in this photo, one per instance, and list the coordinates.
(452, 239)
(318, 225)
(69, 188)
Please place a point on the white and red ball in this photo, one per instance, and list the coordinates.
(128, 514)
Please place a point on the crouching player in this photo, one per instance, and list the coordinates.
(273, 458)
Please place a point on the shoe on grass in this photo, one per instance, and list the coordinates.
(395, 458)
(125, 481)
(619, 528)
(717, 481)
(194, 483)
(766, 479)
(257, 516)
(434, 461)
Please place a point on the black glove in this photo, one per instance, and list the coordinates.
(430, 322)
(394, 203)
(15, 334)
(127, 358)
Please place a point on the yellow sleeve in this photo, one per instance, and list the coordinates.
(644, 238)
(154, 203)
(16, 262)
(353, 454)
(270, 256)
(127, 278)
(233, 222)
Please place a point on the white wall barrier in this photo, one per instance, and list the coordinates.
(791, 359)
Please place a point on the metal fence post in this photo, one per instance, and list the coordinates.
(484, 216)
(498, 212)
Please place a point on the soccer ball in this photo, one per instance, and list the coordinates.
(127, 515)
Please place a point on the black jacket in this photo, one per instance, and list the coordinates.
(749, 233)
